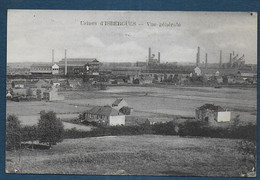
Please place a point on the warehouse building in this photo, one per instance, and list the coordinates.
(72, 66)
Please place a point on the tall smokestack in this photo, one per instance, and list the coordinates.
(230, 59)
(206, 60)
(53, 57)
(198, 57)
(149, 54)
(159, 57)
(220, 58)
(66, 65)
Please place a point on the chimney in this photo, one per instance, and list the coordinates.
(230, 59)
(159, 57)
(220, 58)
(66, 65)
(206, 60)
(149, 55)
(198, 57)
(52, 56)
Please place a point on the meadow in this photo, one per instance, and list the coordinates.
(153, 155)
(153, 102)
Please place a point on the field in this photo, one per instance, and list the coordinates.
(149, 102)
(134, 155)
(138, 155)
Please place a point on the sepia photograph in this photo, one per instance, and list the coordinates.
(140, 93)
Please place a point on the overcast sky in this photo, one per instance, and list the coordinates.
(31, 35)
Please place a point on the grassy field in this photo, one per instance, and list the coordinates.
(134, 155)
(152, 102)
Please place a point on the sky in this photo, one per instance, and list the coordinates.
(32, 34)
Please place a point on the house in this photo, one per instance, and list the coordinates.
(197, 71)
(105, 115)
(42, 84)
(19, 92)
(217, 73)
(211, 113)
(55, 69)
(219, 79)
(75, 83)
(52, 95)
(55, 82)
(19, 84)
(120, 81)
(9, 95)
(119, 103)
(146, 80)
(231, 80)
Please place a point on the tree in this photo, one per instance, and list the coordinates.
(38, 94)
(50, 128)
(29, 92)
(125, 110)
(13, 132)
(29, 133)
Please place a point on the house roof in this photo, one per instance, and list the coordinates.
(104, 110)
(211, 107)
(117, 102)
(43, 83)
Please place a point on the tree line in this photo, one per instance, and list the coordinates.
(49, 130)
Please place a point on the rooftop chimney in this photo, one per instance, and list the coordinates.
(66, 65)
(159, 57)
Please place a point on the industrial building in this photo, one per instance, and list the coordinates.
(67, 66)
(72, 66)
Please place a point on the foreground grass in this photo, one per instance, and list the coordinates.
(134, 155)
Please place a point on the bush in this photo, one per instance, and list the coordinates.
(168, 128)
(108, 131)
(13, 132)
(194, 128)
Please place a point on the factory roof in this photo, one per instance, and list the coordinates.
(78, 61)
(42, 65)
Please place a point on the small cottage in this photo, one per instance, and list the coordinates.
(211, 113)
(105, 115)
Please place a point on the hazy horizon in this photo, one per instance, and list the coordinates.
(32, 34)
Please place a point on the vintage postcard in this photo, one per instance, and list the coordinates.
(150, 93)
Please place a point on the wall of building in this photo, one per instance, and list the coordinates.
(206, 115)
(116, 120)
(224, 116)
